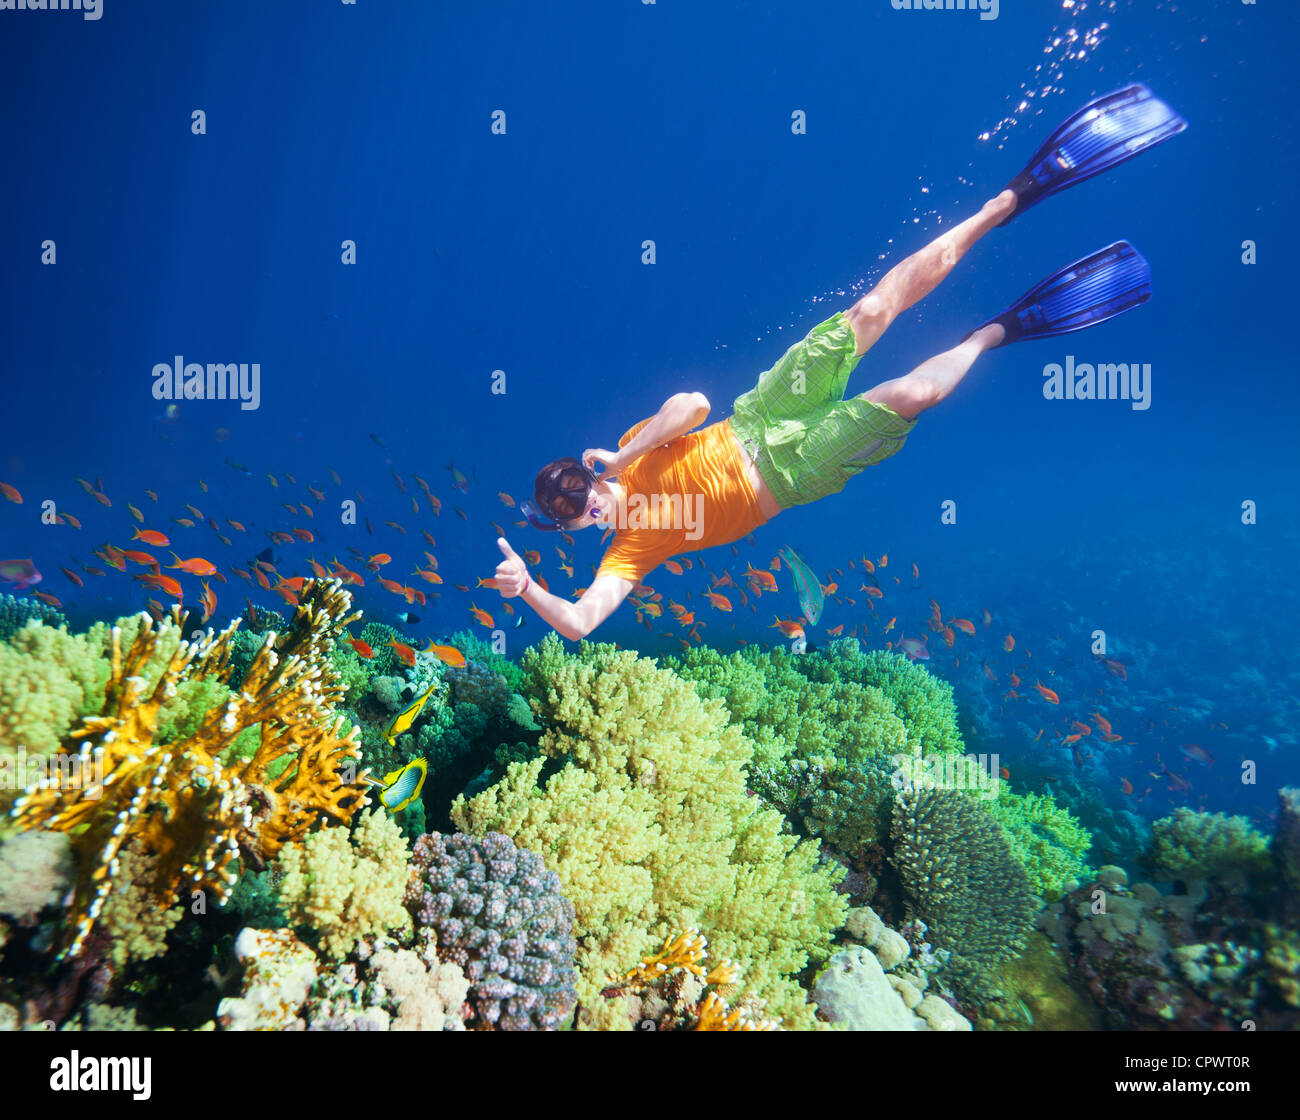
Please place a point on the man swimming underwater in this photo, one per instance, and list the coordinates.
(793, 439)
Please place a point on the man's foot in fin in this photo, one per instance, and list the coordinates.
(1106, 132)
(1089, 291)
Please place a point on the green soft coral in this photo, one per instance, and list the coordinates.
(651, 831)
(925, 702)
(1050, 843)
(824, 741)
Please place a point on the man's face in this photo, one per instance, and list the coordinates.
(602, 505)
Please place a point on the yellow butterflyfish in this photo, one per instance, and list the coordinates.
(403, 785)
(403, 720)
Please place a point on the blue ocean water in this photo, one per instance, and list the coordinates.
(479, 254)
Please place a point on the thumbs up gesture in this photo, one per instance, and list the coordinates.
(512, 572)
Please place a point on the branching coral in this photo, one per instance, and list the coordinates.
(177, 804)
(962, 880)
(17, 613)
(669, 990)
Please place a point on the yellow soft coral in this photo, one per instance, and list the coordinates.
(176, 803)
(346, 889)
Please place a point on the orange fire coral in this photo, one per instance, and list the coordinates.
(178, 802)
(673, 979)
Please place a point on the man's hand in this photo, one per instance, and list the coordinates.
(612, 459)
(512, 572)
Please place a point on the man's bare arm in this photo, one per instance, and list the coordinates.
(678, 415)
(577, 620)
(572, 620)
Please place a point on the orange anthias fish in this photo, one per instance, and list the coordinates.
(377, 559)
(721, 602)
(136, 556)
(209, 601)
(765, 580)
(48, 599)
(1126, 786)
(195, 565)
(162, 582)
(789, 627)
(363, 648)
(673, 567)
(449, 655)
(405, 654)
(965, 625)
(1009, 643)
(1046, 693)
(481, 616)
(1103, 723)
(10, 493)
(1115, 668)
(151, 537)
(1081, 728)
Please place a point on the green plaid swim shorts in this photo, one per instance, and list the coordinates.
(806, 441)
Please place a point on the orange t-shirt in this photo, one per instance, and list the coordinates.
(685, 495)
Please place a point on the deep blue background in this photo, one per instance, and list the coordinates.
(522, 252)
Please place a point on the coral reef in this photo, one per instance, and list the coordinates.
(1286, 841)
(279, 971)
(346, 888)
(854, 991)
(1046, 839)
(651, 831)
(1192, 845)
(179, 804)
(36, 870)
(924, 701)
(675, 990)
(501, 916)
(17, 613)
(1196, 961)
(389, 989)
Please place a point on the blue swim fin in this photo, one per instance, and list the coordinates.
(1103, 134)
(1090, 291)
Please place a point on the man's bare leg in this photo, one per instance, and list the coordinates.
(936, 377)
(911, 280)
